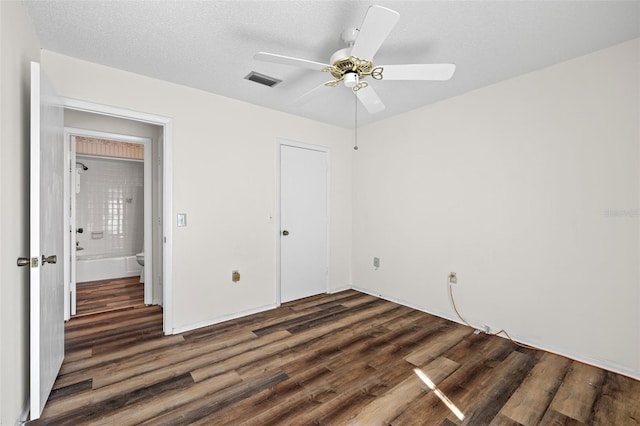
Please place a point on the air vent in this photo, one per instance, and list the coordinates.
(262, 79)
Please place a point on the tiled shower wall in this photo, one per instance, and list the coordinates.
(110, 207)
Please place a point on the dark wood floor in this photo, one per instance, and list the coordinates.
(345, 358)
(108, 295)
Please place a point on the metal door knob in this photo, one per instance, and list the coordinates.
(23, 261)
(49, 259)
(285, 232)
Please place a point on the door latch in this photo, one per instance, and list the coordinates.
(25, 261)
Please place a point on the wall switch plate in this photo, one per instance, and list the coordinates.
(376, 262)
(182, 219)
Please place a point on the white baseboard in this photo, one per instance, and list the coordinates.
(576, 357)
(223, 318)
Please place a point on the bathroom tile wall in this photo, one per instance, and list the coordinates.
(110, 207)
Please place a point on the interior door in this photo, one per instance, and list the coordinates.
(46, 240)
(304, 222)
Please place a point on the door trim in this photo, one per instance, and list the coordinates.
(167, 188)
(277, 214)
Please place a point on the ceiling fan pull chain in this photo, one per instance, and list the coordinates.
(355, 130)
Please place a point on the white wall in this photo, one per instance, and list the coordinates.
(528, 189)
(225, 180)
(18, 46)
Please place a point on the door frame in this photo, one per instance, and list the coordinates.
(278, 218)
(69, 135)
(167, 190)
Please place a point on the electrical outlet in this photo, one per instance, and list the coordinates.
(376, 262)
(235, 276)
(487, 329)
(453, 278)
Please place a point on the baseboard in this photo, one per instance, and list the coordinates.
(575, 357)
(223, 318)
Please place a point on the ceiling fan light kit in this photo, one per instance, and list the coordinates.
(351, 79)
(353, 64)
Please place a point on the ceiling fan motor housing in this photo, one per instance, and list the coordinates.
(340, 55)
(344, 64)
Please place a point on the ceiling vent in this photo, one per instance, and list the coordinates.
(262, 79)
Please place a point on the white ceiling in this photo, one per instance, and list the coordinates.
(210, 45)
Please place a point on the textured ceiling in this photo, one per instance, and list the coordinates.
(210, 45)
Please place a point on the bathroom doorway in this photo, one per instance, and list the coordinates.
(110, 212)
(115, 210)
(112, 119)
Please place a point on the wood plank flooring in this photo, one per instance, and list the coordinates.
(108, 295)
(343, 359)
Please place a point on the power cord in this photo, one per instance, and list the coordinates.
(503, 331)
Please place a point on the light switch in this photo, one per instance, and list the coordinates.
(182, 219)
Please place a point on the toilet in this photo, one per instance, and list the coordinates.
(140, 259)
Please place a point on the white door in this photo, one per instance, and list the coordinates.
(46, 240)
(304, 222)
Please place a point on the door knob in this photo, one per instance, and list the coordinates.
(23, 261)
(285, 232)
(49, 259)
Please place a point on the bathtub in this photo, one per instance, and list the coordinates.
(101, 267)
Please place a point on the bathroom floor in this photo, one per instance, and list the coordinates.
(108, 295)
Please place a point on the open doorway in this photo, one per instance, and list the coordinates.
(108, 127)
(112, 211)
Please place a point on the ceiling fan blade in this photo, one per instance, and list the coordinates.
(370, 99)
(307, 96)
(377, 24)
(418, 72)
(288, 60)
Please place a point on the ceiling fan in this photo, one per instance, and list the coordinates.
(353, 64)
